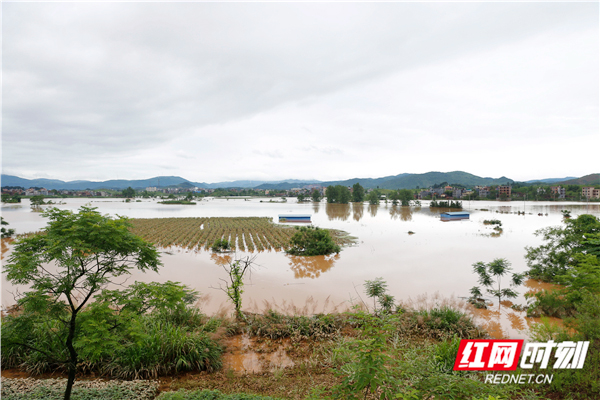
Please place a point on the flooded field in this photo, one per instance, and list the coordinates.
(409, 247)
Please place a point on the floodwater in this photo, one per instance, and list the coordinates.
(244, 355)
(409, 247)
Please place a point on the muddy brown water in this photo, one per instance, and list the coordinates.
(435, 258)
(245, 355)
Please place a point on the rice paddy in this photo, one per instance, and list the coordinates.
(243, 233)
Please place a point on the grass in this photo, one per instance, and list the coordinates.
(274, 325)
(53, 389)
(147, 347)
(209, 395)
(418, 343)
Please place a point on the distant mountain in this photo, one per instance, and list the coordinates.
(258, 184)
(287, 185)
(120, 184)
(400, 181)
(411, 181)
(159, 181)
(592, 179)
(551, 180)
(368, 182)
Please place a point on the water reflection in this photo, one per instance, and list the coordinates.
(357, 211)
(502, 321)
(5, 246)
(491, 321)
(337, 211)
(536, 286)
(311, 266)
(316, 205)
(404, 212)
(245, 355)
(516, 322)
(373, 210)
(221, 259)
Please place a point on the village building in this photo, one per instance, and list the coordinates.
(590, 193)
(457, 193)
(504, 189)
(561, 192)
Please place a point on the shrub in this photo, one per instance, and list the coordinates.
(144, 331)
(445, 354)
(165, 349)
(220, 245)
(377, 290)
(446, 204)
(556, 256)
(183, 394)
(554, 303)
(312, 241)
(587, 319)
(274, 325)
(492, 222)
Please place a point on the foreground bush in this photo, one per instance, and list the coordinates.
(209, 395)
(274, 325)
(377, 365)
(438, 323)
(53, 389)
(144, 331)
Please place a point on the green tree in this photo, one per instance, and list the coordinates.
(490, 276)
(129, 192)
(6, 233)
(338, 194)
(557, 255)
(235, 286)
(358, 193)
(189, 196)
(394, 196)
(332, 194)
(344, 194)
(405, 196)
(300, 198)
(377, 290)
(37, 200)
(374, 197)
(7, 198)
(316, 196)
(86, 251)
(312, 241)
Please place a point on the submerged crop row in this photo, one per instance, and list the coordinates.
(243, 233)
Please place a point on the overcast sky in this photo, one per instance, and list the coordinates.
(222, 91)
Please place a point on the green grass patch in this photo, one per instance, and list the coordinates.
(183, 394)
(54, 389)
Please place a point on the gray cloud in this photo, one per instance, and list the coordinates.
(126, 86)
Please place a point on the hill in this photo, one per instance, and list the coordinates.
(159, 181)
(551, 180)
(119, 184)
(592, 179)
(411, 181)
(400, 181)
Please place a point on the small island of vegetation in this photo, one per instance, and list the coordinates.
(186, 202)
